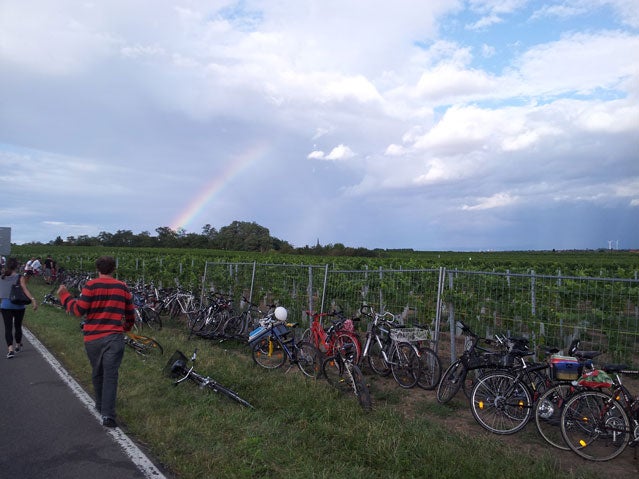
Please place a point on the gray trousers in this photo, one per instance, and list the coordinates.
(105, 355)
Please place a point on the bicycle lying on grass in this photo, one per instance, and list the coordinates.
(177, 368)
(142, 345)
(342, 372)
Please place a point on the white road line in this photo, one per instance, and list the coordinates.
(128, 446)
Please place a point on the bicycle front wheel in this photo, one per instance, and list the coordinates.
(151, 318)
(376, 359)
(405, 364)
(501, 403)
(595, 426)
(548, 414)
(269, 353)
(451, 381)
(431, 369)
(361, 388)
(308, 359)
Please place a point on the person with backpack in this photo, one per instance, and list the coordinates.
(13, 314)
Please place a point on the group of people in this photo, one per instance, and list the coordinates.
(105, 303)
(35, 267)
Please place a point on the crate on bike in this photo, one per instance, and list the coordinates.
(564, 368)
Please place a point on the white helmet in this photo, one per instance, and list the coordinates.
(280, 313)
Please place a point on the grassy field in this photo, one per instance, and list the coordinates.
(299, 428)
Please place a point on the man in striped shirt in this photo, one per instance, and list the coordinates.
(108, 308)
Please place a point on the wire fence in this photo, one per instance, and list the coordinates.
(549, 310)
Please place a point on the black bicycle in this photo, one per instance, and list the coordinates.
(273, 344)
(177, 368)
(342, 372)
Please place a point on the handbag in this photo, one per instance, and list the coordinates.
(17, 295)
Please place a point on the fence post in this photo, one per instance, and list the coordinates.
(324, 287)
(438, 307)
(309, 290)
(533, 295)
(252, 281)
(451, 320)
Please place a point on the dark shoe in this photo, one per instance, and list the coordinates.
(10, 354)
(18, 348)
(109, 422)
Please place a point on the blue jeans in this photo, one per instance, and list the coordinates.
(105, 355)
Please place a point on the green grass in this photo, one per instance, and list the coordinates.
(299, 428)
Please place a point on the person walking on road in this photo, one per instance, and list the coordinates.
(13, 314)
(108, 306)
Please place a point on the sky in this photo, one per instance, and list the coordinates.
(432, 125)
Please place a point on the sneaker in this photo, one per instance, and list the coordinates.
(18, 348)
(10, 354)
(109, 422)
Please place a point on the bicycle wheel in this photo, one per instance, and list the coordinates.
(595, 425)
(548, 414)
(218, 388)
(307, 357)
(376, 360)
(501, 403)
(342, 338)
(405, 364)
(347, 379)
(151, 318)
(144, 345)
(361, 388)
(431, 369)
(269, 353)
(451, 381)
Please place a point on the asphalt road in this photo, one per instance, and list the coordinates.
(49, 430)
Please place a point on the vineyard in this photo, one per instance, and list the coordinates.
(548, 297)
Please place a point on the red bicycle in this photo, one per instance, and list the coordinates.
(331, 341)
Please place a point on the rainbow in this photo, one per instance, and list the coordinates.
(221, 178)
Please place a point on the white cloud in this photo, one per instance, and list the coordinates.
(404, 105)
(498, 200)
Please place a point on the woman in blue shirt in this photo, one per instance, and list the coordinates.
(13, 314)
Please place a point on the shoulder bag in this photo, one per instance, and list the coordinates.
(17, 295)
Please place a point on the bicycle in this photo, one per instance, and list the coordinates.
(145, 312)
(341, 372)
(177, 367)
(550, 404)
(502, 400)
(273, 343)
(462, 372)
(386, 352)
(142, 345)
(330, 341)
(598, 425)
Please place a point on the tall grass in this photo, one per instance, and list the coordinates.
(300, 428)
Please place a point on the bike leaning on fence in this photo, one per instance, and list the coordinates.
(273, 343)
(386, 352)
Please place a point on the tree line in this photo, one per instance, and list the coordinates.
(238, 236)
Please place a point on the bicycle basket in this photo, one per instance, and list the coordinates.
(411, 335)
(169, 370)
(475, 361)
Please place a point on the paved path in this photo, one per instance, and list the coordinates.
(49, 429)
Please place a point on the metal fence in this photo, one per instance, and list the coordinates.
(548, 310)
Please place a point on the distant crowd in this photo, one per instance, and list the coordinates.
(36, 267)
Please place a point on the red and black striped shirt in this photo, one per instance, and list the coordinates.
(107, 304)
